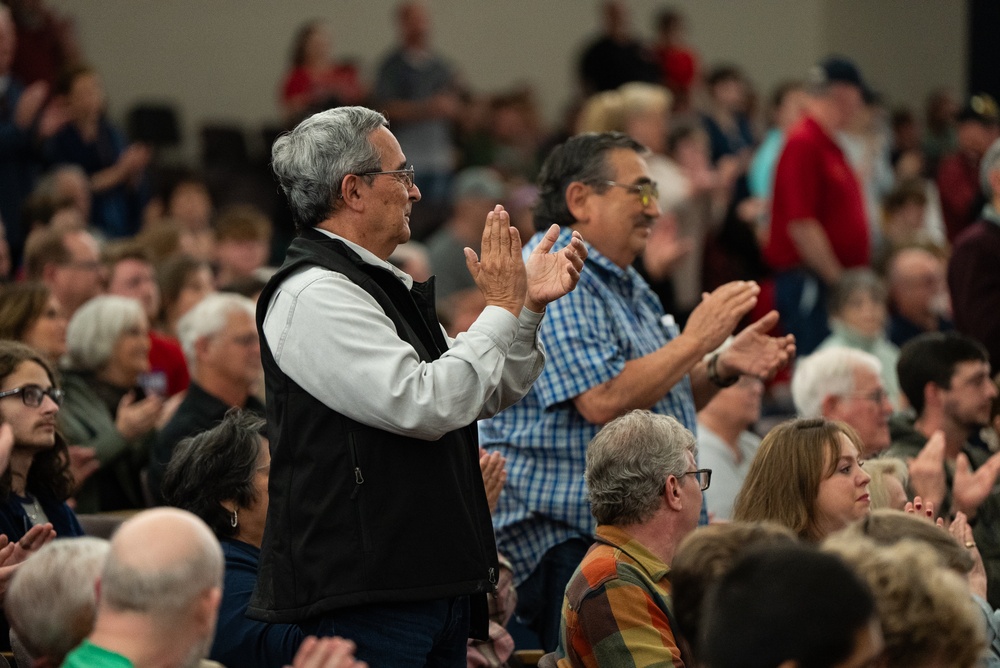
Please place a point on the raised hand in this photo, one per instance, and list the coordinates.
(32, 541)
(927, 476)
(969, 489)
(962, 533)
(135, 418)
(754, 353)
(552, 275)
(83, 463)
(922, 509)
(500, 274)
(491, 465)
(715, 318)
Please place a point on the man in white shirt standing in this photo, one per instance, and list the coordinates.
(378, 528)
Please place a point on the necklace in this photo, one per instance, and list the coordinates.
(34, 512)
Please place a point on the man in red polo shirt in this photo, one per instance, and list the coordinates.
(818, 222)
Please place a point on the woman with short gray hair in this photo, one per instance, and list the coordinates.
(106, 407)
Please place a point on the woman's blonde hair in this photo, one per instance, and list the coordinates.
(926, 612)
(783, 481)
(881, 469)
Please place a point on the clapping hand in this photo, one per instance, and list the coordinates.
(553, 274)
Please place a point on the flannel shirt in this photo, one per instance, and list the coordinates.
(610, 318)
(617, 608)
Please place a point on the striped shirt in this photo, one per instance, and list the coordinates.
(610, 318)
(617, 609)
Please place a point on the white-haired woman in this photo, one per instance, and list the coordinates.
(105, 408)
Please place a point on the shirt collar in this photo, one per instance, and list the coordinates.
(594, 257)
(620, 539)
(370, 258)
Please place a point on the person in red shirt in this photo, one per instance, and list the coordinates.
(315, 81)
(818, 221)
(678, 61)
(958, 173)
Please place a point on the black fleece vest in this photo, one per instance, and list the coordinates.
(358, 515)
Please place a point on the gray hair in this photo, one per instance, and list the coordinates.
(828, 372)
(52, 602)
(208, 318)
(168, 590)
(48, 184)
(851, 282)
(581, 158)
(312, 160)
(989, 164)
(628, 462)
(96, 327)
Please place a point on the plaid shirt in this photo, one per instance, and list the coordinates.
(610, 318)
(617, 608)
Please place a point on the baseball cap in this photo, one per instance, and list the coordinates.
(980, 107)
(837, 69)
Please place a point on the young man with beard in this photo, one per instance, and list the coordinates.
(946, 379)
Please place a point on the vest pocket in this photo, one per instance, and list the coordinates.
(356, 496)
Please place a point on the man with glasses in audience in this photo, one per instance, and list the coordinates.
(645, 492)
(844, 384)
(68, 261)
(611, 349)
(378, 527)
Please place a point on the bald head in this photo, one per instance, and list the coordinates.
(162, 561)
(916, 284)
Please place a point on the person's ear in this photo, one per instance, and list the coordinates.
(577, 198)
(672, 493)
(830, 406)
(350, 192)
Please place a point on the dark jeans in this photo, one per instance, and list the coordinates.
(403, 635)
(539, 598)
(800, 298)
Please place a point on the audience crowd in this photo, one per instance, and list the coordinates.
(735, 398)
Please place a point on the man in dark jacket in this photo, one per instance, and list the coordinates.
(378, 525)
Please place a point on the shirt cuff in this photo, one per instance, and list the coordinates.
(499, 324)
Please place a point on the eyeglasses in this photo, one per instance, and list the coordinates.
(703, 476)
(404, 175)
(875, 396)
(647, 191)
(33, 395)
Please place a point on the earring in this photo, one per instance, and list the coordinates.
(236, 518)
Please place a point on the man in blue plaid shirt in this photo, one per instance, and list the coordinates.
(610, 349)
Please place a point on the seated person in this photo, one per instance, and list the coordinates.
(926, 614)
(242, 243)
(806, 476)
(52, 600)
(31, 314)
(108, 342)
(704, 557)
(918, 295)
(809, 610)
(724, 443)
(888, 485)
(221, 476)
(858, 320)
(184, 281)
(845, 384)
(645, 493)
(36, 483)
(219, 336)
(130, 273)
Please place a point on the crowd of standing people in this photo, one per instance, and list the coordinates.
(667, 385)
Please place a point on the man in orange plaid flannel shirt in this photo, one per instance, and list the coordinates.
(646, 496)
